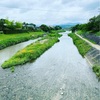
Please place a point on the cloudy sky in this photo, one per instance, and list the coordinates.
(49, 12)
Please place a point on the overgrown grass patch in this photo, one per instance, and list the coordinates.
(80, 32)
(31, 52)
(96, 69)
(82, 46)
(12, 69)
(98, 33)
(7, 40)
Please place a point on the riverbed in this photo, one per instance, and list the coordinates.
(59, 74)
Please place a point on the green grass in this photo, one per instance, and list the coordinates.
(91, 41)
(7, 40)
(80, 32)
(12, 69)
(31, 52)
(98, 33)
(96, 69)
(82, 46)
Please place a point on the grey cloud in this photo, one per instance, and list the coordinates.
(48, 12)
(93, 6)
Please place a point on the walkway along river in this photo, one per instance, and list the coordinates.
(59, 74)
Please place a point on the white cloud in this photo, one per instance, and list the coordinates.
(49, 12)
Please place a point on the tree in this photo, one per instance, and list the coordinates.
(18, 25)
(45, 28)
(93, 25)
(32, 26)
(74, 28)
(2, 24)
(12, 25)
(24, 25)
(58, 27)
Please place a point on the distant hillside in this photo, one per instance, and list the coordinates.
(68, 25)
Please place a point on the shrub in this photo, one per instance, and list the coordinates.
(96, 69)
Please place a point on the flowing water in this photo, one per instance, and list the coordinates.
(10, 51)
(59, 74)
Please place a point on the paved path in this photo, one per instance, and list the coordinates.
(90, 43)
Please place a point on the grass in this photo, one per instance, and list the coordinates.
(82, 46)
(91, 41)
(31, 52)
(7, 40)
(12, 69)
(98, 33)
(96, 69)
(80, 32)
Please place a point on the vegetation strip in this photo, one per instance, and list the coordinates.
(96, 69)
(12, 39)
(32, 51)
(82, 46)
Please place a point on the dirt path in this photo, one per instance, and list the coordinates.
(90, 43)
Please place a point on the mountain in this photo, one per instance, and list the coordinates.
(68, 25)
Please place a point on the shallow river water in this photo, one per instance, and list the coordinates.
(59, 74)
(10, 51)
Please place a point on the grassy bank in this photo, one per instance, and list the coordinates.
(80, 32)
(96, 69)
(7, 40)
(82, 46)
(31, 52)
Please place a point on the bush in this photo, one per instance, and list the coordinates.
(15, 31)
(96, 69)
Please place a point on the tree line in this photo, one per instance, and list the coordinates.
(7, 27)
(92, 26)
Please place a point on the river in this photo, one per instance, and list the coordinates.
(59, 74)
(10, 51)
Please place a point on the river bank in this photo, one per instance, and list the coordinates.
(32, 51)
(60, 73)
(7, 40)
(88, 50)
(82, 46)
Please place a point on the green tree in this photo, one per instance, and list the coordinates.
(74, 28)
(18, 25)
(45, 28)
(58, 27)
(2, 24)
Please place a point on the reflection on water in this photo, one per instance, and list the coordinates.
(59, 74)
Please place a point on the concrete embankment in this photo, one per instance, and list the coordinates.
(93, 57)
